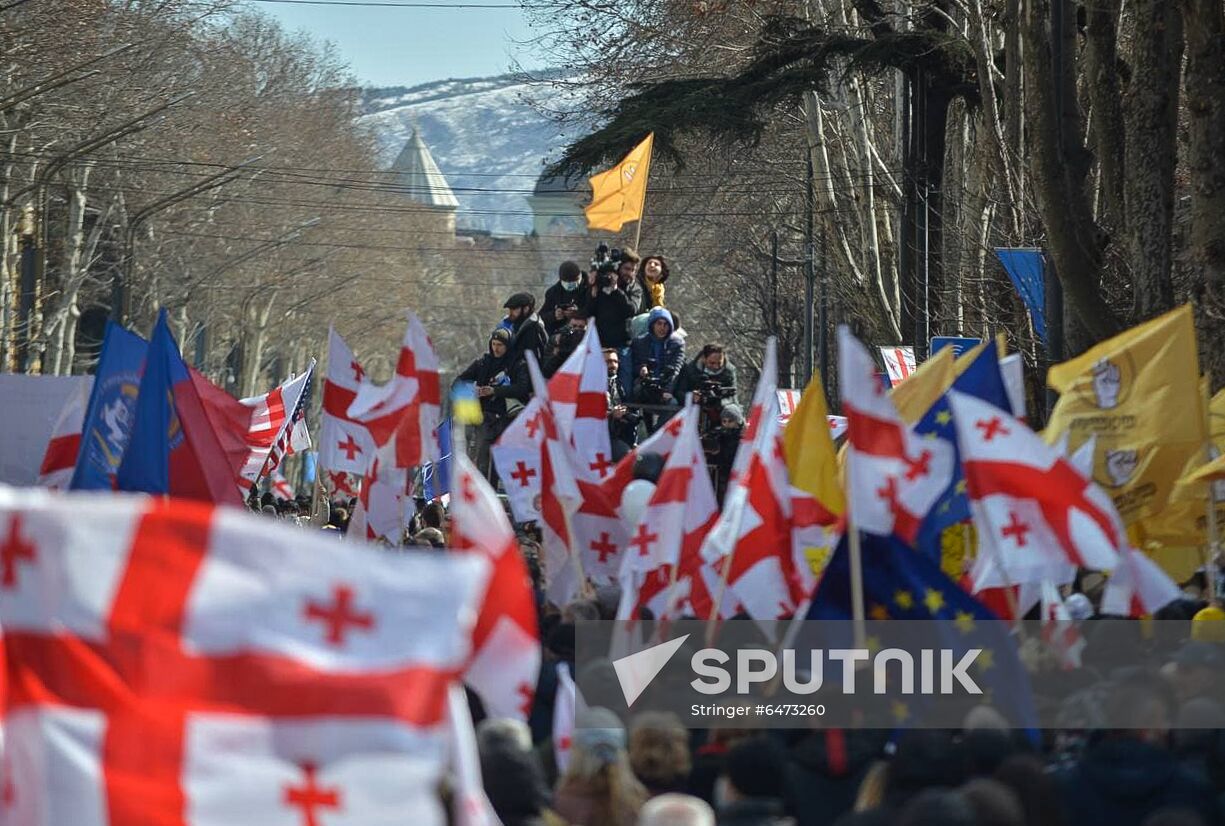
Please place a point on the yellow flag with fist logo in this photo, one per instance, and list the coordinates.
(1139, 394)
(619, 194)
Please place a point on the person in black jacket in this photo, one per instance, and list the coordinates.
(657, 355)
(710, 365)
(565, 299)
(527, 330)
(1130, 773)
(501, 387)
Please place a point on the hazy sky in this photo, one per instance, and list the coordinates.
(408, 46)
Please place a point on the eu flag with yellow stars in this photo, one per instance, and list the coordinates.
(981, 379)
(900, 583)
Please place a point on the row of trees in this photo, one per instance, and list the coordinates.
(936, 130)
(185, 155)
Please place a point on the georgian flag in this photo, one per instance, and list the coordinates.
(578, 392)
(345, 444)
(60, 457)
(407, 408)
(285, 689)
(506, 641)
(1034, 511)
(893, 476)
(379, 514)
(516, 454)
(663, 568)
(660, 442)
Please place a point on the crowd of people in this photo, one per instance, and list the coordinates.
(650, 369)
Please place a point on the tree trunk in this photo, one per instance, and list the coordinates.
(1060, 165)
(1102, 82)
(1151, 115)
(1205, 88)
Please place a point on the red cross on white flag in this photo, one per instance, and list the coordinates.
(899, 363)
(516, 455)
(506, 640)
(1036, 515)
(345, 444)
(578, 392)
(254, 673)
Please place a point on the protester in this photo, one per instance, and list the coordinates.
(651, 275)
(528, 334)
(709, 369)
(657, 357)
(1130, 773)
(565, 299)
(502, 387)
(622, 421)
(513, 780)
(659, 752)
(599, 788)
(676, 810)
(612, 303)
(753, 787)
(722, 445)
(562, 344)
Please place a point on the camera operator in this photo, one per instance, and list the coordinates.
(610, 304)
(658, 355)
(565, 299)
(725, 442)
(564, 342)
(502, 387)
(622, 421)
(527, 331)
(710, 378)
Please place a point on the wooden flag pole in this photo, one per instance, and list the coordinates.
(858, 618)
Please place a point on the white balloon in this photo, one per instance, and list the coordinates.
(634, 500)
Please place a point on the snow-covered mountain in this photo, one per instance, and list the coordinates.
(486, 136)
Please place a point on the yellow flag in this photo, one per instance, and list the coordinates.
(618, 195)
(920, 390)
(1139, 394)
(1216, 419)
(809, 449)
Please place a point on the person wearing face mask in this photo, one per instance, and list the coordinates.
(565, 299)
(711, 369)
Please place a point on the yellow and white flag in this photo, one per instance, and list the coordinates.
(1139, 394)
(619, 195)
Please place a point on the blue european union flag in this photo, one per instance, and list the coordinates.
(901, 584)
(981, 379)
(436, 476)
(157, 430)
(1026, 269)
(112, 409)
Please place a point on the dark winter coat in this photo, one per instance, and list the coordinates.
(509, 381)
(1123, 781)
(558, 296)
(692, 375)
(827, 768)
(515, 785)
(612, 312)
(667, 355)
(528, 334)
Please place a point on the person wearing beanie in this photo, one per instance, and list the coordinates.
(753, 787)
(598, 787)
(527, 330)
(731, 426)
(565, 299)
(503, 387)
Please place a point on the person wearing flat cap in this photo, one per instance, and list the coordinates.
(527, 330)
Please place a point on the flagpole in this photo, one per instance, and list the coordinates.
(642, 207)
(858, 619)
(1214, 540)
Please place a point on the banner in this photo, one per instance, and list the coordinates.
(27, 407)
(899, 363)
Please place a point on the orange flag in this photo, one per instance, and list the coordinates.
(618, 195)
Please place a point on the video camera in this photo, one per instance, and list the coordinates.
(711, 393)
(605, 263)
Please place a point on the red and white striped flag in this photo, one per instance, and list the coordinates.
(506, 660)
(60, 457)
(274, 415)
(286, 689)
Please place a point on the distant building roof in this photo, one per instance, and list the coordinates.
(558, 185)
(420, 178)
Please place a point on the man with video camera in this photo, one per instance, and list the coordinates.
(564, 342)
(614, 296)
(565, 299)
(710, 378)
(658, 355)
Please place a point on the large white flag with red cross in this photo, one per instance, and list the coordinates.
(893, 476)
(579, 393)
(346, 445)
(408, 407)
(516, 455)
(1034, 511)
(506, 658)
(169, 662)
